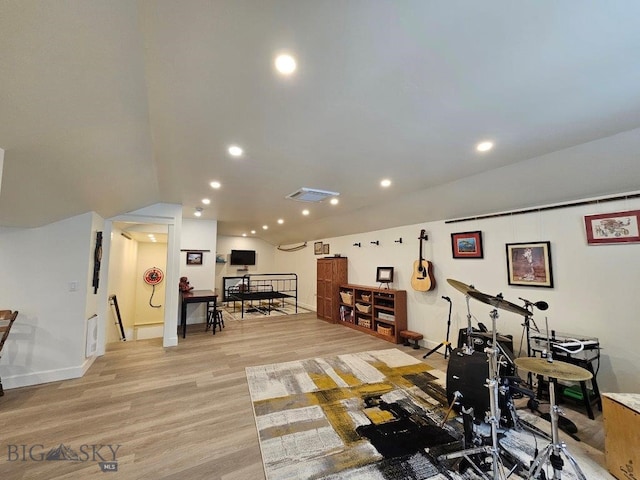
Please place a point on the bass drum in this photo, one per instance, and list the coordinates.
(468, 374)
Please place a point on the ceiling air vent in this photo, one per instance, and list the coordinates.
(311, 195)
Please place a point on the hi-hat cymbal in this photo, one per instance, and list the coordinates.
(555, 369)
(461, 287)
(499, 303)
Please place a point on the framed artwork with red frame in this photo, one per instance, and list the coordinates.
(619, 227)
(467, 244)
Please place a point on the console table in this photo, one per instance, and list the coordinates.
(194, 296)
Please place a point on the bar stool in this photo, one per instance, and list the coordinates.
(214, 317)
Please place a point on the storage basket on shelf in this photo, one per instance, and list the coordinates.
(365, 297)
(385, 330)
(346, 297)
(363, 308)
(364, 322)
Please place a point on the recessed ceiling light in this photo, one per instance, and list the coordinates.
(206, 201)
(215, 185)
(253, 232)
(197, 213)
(385, 183)
(305, 212)
(151, 235)
(265, 227)
(244, 234)
(484, 146)
(280, 221)
(285, 64)
(334, 201)
(235, 151)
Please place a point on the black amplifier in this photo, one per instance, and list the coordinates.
(481, 340)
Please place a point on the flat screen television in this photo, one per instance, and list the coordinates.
(243, 257)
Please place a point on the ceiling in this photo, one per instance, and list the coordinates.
(111, 106)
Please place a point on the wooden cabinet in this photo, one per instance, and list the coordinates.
(331, 273)
(377, 311)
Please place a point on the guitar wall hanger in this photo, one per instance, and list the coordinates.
(375, 242)
(398, 240)
(357, 244)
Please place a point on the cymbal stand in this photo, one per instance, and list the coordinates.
(446, 343)
(493, 416)
(468, 348)
(551, 452)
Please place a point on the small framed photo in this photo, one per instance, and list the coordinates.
(529, 264)
(467, 245)
(325, 249)
(384, 275)
(621, 227)
(194, 258)
(317, 248)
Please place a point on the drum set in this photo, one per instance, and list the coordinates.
(482, 452)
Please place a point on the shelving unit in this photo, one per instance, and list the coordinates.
(376, 311)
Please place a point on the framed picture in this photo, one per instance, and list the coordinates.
(620, 227)
(194, 258)
(317, 248)
(529, 264)
(466, 245)
(384, 275)
(325, 249)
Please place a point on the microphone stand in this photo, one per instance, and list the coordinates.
(446, 343)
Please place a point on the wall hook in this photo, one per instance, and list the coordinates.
(398, 240)
(376, 242)
(357, 244)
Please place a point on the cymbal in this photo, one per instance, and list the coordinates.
(499, 303)
(555, 369)
(461, 287)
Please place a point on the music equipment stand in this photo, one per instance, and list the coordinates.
(551, 453)
(446, 343)
(493, 416)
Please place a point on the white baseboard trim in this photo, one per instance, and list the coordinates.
(48, 376)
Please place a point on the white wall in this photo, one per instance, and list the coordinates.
(265, 258)
(198, 235)
(594, 293)
(1, 166)
(39, 265)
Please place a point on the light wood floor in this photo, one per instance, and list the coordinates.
(181, 412)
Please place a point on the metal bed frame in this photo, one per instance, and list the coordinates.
(257, 288)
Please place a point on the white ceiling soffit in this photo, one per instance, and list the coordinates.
(311, 195)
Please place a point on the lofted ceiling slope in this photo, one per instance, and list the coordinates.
(110, 106)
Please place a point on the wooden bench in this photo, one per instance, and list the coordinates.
(409, 335)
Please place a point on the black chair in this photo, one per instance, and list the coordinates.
(214, 317)
(7, 317)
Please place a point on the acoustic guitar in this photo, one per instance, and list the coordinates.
(422, 278)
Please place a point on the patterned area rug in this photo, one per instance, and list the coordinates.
(374, 415)
(233, 310)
